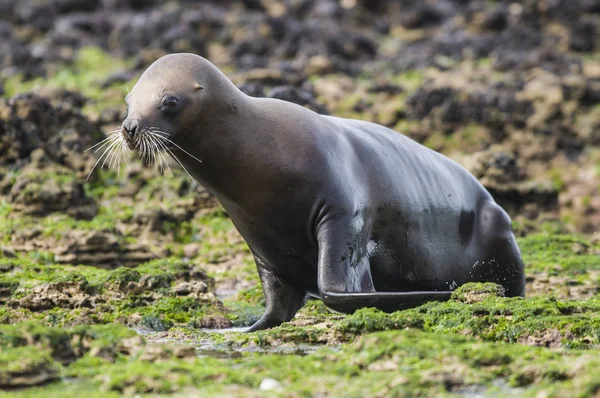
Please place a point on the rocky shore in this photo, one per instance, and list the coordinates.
(117, 283)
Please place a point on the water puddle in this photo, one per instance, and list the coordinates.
(206, 347)
(500, 389)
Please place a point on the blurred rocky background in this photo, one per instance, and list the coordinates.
(509, 89)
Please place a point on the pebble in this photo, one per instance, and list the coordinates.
(270, 384)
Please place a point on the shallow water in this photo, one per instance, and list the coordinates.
(500, 389)
(208, 348)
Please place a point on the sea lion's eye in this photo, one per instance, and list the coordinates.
(171, 104)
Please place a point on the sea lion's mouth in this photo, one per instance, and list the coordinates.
(152, 145)
(131, 144)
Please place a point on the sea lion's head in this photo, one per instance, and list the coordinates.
(166, 101)
(178, 96)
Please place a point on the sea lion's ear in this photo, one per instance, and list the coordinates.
(197, 87)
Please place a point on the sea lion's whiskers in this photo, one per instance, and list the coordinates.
(109, 136)
(110, 149)
(143, 148)
(124, 150)
(103, 143)
(151, 154)
(113, 146)
(175, 157)
(166, 162)
(147, 150)
(145, 156)
(115, 157)
(155, 151)
(161, 154)
(158, 155)
(119, 160)
(161, 163)
(100, 158)
(112, 157)
(171, 142)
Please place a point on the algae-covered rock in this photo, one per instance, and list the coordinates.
(29, 122)
(156, 295)
(431, 364)
(95, 245)
(68, 295)
(32, 354)
(99, 248)
(538, 321)
(512, 87)
(7, 288)
(52, 189)
(476, 292)
(25, 367)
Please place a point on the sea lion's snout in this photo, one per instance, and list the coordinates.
(130, 127)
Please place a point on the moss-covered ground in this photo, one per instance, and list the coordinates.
(479, 342)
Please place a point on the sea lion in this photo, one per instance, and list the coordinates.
(344, 210)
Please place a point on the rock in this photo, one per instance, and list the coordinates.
(494, 167)
(56, 189)
(69, 294)
(269, 77)
(29, 122)
(583, 36)
(191, 250)
(6, 291)
(299, 96)
(319, 65)
(496, 20)
(99, 248)
(188, 288)
(421, 15)
(7, 252)
(475, 292)
(516, 198)
(27, 371)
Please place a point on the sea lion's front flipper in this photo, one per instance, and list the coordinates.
(281, 298)
(344, 273)
(384, 301)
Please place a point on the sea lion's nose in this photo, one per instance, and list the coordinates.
(130, 127)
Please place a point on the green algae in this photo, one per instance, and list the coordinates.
(537, 321)
(476, 309)
(477, 291)
(387, 363)
(146, 295)
(31, 270)
(499, 330)
(57, 224)
(557, 253)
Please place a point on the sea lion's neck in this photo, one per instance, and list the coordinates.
(237, 145)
